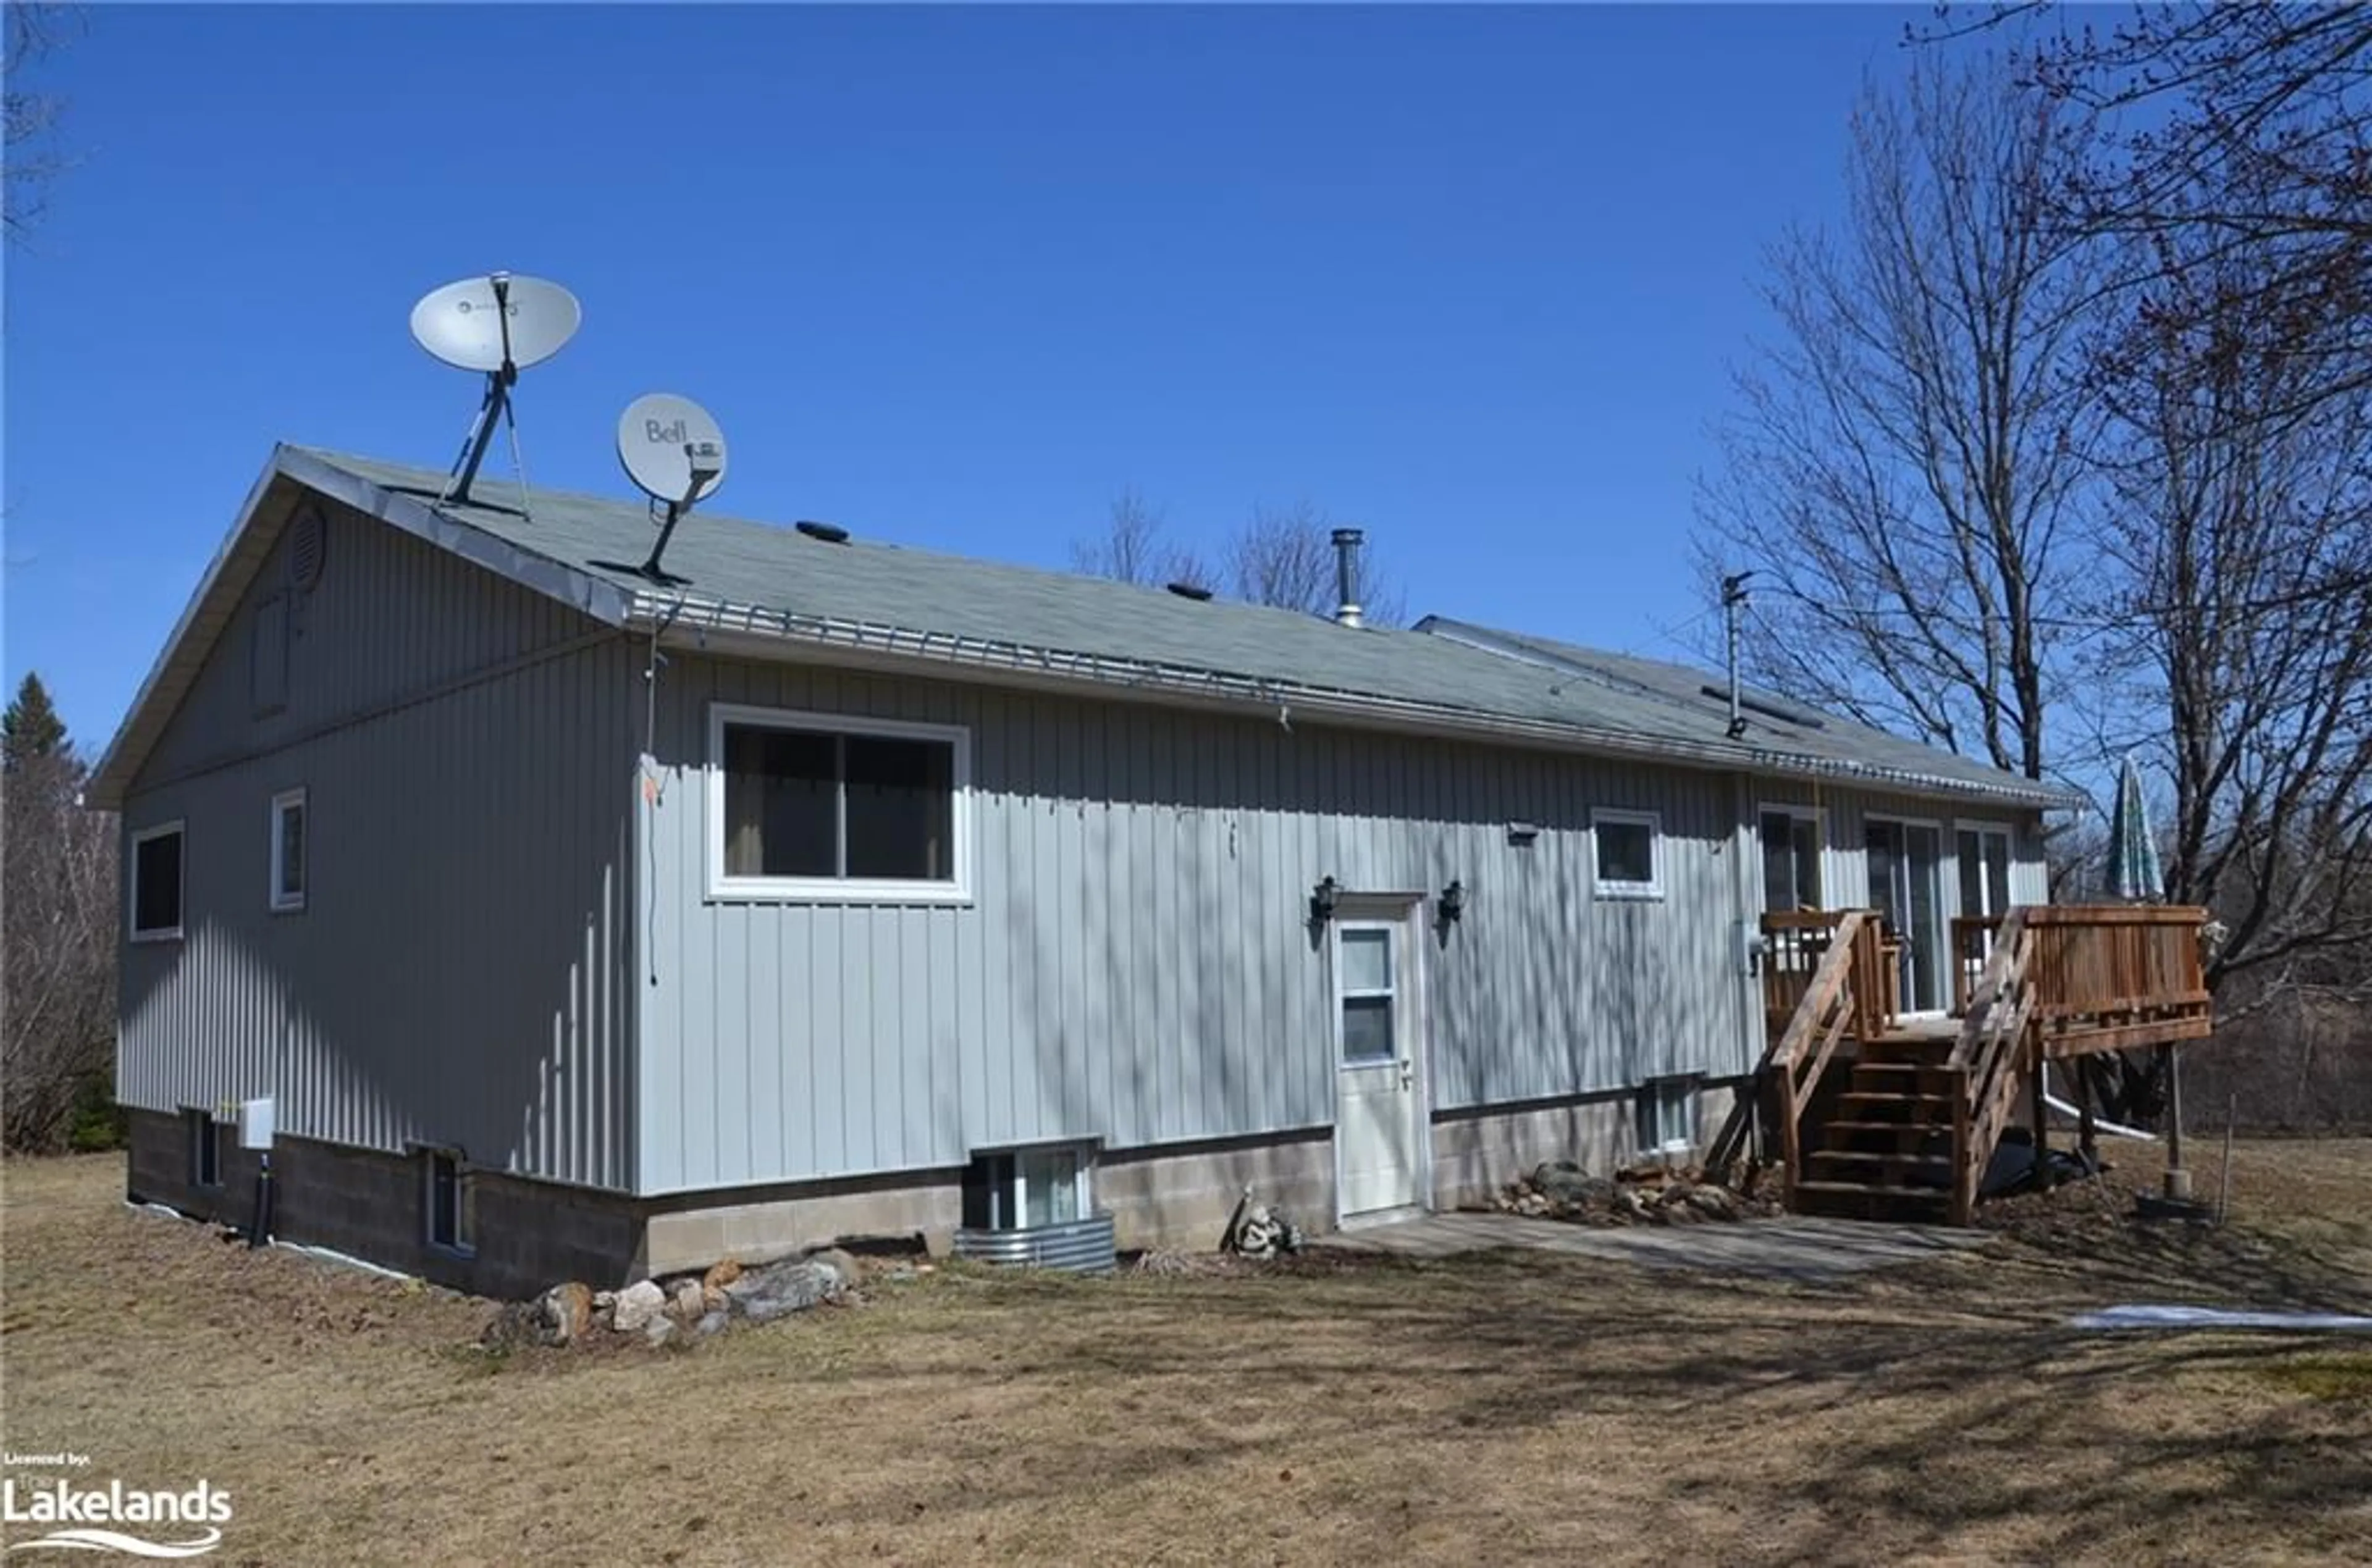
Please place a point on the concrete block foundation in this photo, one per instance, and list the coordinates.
(531, 1233)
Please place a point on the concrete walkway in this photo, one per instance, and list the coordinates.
(1798, 1247)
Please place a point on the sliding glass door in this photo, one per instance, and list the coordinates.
(1906, 886)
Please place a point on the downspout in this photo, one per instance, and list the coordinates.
(1744, 952)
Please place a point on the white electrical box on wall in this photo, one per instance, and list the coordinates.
(255, 1123)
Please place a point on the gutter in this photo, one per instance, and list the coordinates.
(1285, 696)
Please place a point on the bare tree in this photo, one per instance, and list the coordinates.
(1132, 549)
(1906, 457)
(2243, 132)
(1283, 557)
(31, 155)
(2239, 556)
(57, 931)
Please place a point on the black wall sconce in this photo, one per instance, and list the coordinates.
(1323, 898)
(1452, 903)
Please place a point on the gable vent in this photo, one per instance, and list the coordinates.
(308, 539)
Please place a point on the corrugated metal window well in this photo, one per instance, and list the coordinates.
(1034, 1207)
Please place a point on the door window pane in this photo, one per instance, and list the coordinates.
(1791, 861)
(1367, 1030)
(1366, 961)
(1998, 872)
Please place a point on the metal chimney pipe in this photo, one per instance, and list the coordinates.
(1346, 575)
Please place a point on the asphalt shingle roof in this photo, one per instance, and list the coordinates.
(742, 563)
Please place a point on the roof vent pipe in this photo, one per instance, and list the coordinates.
(1346, 575)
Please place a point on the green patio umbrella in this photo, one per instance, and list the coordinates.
(2133, 875)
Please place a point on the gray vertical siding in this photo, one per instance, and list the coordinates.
(462, 972)
(1134, 965)
(1846, 811)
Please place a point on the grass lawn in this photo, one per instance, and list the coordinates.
(1491, 1409)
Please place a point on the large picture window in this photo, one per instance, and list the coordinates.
(830, 808)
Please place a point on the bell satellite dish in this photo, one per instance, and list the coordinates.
(675, 453)
(497, 325)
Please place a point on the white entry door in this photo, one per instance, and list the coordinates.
(1379, 1113)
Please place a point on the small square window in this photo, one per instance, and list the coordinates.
(288, 850)
(451, 1222)
(1628, 854)
(157, 883)
(206, 1148)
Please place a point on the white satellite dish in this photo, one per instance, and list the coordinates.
(497, 324)
(672, 449)
(490, 322)
(675, 453)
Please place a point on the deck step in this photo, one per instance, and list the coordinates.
(1940, 1104)
(1892, 1159)
(1856, 1200)
(1925, 1129)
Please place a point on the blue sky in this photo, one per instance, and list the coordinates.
(1473, 278)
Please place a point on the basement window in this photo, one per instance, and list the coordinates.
(1627, 849)
(288, 850)
(1668, 1116)
(827, 808)
(157, 883)
(451, 1227)
(206, 1147)
(1018, 1188)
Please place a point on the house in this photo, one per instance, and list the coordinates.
(579, 925)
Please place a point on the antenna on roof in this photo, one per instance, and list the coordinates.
(675, 453)
(499, 324)
(1733, 599)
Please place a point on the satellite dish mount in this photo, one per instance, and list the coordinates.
(496, 404)
(498, 324)
(675, 453)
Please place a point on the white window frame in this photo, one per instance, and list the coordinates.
(1797, 811)
(181, 893)
(1981, 827)
(1651, 820)
(283, 901)
(956, 889)
(465, 1240)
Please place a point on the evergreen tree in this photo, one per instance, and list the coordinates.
(30, 727)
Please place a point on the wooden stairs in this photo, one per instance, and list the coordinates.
(1886, 1152)
(1903, 1115)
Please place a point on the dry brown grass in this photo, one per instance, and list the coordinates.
(1496, 1410)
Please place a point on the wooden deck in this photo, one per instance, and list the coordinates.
(1917, 1102)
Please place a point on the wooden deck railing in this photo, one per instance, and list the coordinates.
(2114, 976)
(1992, 1056)
(1795, 942)
(1841, 997)
(1973, 944)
